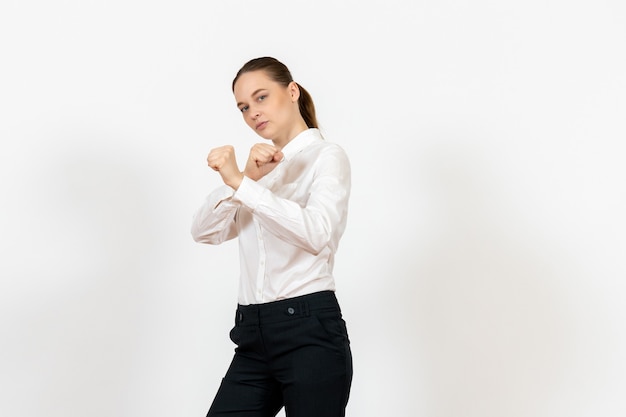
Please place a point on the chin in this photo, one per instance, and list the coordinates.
(265, 135)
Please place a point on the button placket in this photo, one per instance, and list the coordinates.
(260, 281)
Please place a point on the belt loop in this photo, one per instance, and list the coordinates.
(305, 308)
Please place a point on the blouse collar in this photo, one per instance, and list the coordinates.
(301, 141)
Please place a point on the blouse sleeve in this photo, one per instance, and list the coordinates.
(322, 221)
(214, 222)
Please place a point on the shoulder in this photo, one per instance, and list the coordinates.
(321, 151)
(324, 145)
(330, 158)
(331, 149)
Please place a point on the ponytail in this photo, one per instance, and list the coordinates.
(307, 108)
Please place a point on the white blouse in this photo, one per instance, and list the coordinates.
(289, 223)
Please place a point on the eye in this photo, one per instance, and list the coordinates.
(244, 109)
(262, 97)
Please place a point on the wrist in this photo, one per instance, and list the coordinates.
(235, 182)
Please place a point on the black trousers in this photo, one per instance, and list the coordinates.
(293, 353)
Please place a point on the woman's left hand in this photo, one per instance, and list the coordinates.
(262, 160)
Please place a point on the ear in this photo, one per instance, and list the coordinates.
(294, 91)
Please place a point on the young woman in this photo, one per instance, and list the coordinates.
(288, 208)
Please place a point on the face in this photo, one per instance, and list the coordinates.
(270, 109)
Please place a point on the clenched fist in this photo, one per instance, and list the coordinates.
(263, 159)
(223, 160)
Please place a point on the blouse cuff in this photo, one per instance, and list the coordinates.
(249, 193)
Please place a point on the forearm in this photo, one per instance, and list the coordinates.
(214, 221)
(318, 224)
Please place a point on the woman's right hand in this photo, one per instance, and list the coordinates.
(223, 160)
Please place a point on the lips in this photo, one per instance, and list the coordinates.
(261, 125)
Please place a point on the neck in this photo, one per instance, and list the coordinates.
(293, 132)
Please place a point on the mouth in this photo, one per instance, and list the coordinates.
(260, 125)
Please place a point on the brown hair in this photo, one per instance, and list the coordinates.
(278, 72)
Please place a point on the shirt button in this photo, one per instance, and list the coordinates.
(291, 311)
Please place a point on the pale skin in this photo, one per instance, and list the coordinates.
(271, 110)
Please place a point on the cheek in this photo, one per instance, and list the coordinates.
(286, 113)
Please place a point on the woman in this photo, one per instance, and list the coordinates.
(288, 208)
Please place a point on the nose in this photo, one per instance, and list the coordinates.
(253, 112)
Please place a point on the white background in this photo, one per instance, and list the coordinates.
(483, 269)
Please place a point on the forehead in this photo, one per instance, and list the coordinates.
(250, 82)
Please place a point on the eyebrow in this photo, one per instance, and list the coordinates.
(252, 95)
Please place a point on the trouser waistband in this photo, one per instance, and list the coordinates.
(287, 309)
